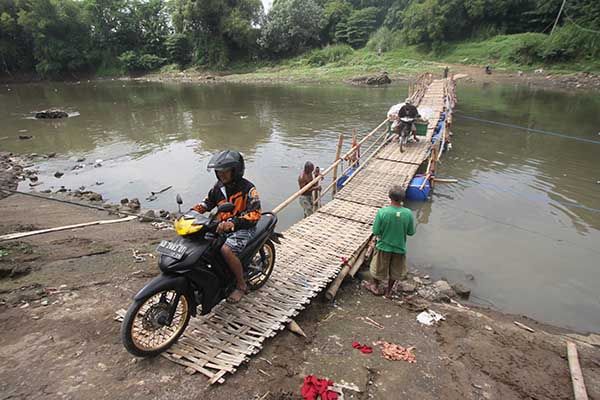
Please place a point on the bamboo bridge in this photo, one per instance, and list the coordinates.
(314, 250)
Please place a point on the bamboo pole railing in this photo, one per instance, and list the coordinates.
(333, 184)
(367, 160)
(309, 186)
(337, 157)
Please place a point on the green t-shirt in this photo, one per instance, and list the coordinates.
(392, 224)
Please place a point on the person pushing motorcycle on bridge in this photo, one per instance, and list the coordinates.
(408, 110)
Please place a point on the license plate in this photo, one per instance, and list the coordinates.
(171, 249)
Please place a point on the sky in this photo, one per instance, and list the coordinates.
(267, 4)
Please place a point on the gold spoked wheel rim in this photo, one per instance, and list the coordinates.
(147, 334)
(257, 279)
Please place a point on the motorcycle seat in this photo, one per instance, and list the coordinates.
(266, 221)
(263, 226)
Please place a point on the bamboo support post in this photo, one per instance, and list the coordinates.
(576, 375)
(353, 264)
(337, 157)
(293, 326)
(363, 255)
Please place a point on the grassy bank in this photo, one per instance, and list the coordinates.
(508, 53)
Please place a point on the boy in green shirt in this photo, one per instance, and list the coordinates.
(392, 224)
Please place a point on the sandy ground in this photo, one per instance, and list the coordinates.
(58, 339)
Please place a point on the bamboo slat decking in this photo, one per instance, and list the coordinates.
(309, 256)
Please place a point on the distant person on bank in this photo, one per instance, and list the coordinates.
(392, 224)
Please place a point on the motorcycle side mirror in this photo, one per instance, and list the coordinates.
(226, 207)
(179, 201)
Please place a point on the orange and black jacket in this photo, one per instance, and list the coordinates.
(244, 197)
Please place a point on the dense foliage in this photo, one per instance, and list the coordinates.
(68, 37)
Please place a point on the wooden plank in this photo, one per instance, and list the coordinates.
(576, 375)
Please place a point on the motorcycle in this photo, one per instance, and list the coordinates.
(194, 278)
(406, 125)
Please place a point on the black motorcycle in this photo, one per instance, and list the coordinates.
(194, 278)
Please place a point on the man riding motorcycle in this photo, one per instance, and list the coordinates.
(408, 110)
(240, 224)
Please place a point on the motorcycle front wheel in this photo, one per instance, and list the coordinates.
(402, 141)
(146, 330)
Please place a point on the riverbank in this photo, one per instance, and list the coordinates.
(345, 75)
(58, 338)
(330, 66)
(401, 66)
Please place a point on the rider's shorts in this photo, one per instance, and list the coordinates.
(237, 240)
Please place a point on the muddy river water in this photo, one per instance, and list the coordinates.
(521, 228)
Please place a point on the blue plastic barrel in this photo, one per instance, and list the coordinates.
(342, 179)
(414, 191)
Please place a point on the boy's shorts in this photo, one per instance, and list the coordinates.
(238, 240)
(386, 266)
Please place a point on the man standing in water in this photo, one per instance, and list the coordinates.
(306, 199)
(392, 224)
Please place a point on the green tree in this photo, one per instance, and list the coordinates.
(113, 27)
(394, 14)
(334, 13)
(179, 48)
(151, 21)
(121, 25)
(360, 25)
(61, 36)
(16, 46)
(292, 26)
(220, 30)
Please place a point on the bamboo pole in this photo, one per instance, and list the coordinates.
(368, 252)
(348, 266)
(576, 375)
(306, 188)
(427, 177)
(337, 157)
(295, 328)
(19, 235)
(443, 180)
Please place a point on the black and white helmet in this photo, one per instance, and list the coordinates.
(228, 159)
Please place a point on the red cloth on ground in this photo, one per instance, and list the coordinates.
(362, 347)
(313, 387)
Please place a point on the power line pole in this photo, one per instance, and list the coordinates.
(558, 16)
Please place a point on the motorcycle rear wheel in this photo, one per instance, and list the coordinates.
(142, 332)
(268, 251)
